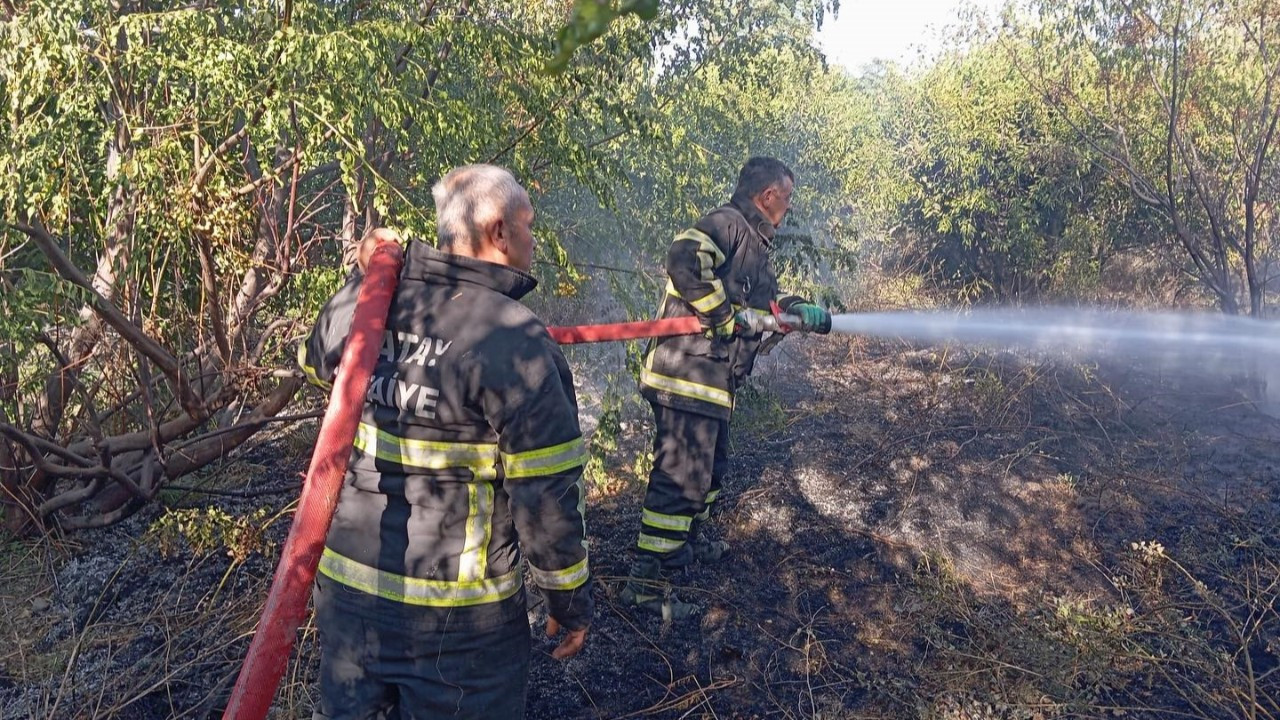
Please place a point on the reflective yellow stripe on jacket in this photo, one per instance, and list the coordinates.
(480, 458)
(709, 255)
(705, 304)
(569, 578)
(709, 258)
(417, 591)
(545, 461)
(474, 560)
(309, 371)
(676, 386)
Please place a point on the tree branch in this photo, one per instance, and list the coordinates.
(113, 317)
(202, 173)
(204, 450)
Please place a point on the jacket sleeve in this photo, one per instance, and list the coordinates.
(530, 402)
(319, 354)
(692, 262)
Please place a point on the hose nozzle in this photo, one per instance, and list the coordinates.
(780, 322)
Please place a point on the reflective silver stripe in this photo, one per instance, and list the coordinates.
(545, 461)
(569, 578)
(658, 544)
(582, 508)
(479, 458)
(418, 591)
(474, 559)
(665, 522)
(309, 371)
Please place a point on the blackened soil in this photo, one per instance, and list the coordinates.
(872, 486)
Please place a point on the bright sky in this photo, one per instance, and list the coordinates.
(897, 30)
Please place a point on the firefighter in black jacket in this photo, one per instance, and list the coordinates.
(718, 270)
(468, 457)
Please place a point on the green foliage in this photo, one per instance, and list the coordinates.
(204, 531)
(992, 183)
(758, 413)
(1176, 97)
(604, 442)
(204, 169)
(589, 21)
(719, 95)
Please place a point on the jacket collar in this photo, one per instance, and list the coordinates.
(755, 219)
(427, 264)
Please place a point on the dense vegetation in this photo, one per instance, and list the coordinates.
(182, 182)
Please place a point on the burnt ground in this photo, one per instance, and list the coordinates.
(916, 533)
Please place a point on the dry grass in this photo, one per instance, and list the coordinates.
(25, 595)
(158, 633)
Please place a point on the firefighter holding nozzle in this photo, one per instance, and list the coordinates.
(720, 271)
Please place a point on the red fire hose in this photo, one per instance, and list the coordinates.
(571, 334)
(287, 601)
(778, 322)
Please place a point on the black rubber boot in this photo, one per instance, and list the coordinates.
(704, 550)
(710, 551)
(646, 590)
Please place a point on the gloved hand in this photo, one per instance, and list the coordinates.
(744, 323)
(812, 318)
(748, 324)
(723, 331)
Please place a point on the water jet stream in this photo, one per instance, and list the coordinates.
(1069, 329)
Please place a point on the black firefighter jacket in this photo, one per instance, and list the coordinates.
(468, 443)
(717, 267)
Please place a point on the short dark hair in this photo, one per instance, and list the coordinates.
(761, 173)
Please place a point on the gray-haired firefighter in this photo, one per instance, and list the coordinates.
(468, 456)
(718, 270)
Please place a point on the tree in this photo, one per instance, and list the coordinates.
(176, 177)
(1182, 101)
(746, 81)
(987, 188)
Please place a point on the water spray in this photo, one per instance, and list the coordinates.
(1062, 329)
(1069, 329)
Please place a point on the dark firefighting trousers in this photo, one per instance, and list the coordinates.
(385, 660)
(690, 459)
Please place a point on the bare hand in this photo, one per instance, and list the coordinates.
(572, 642)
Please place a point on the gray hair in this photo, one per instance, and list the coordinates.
(470, 197)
